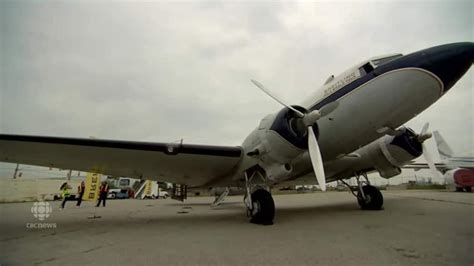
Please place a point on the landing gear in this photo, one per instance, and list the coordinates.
(260, 204)
(373, 199)
(263, 207)
(219, 199)
(462, 189)
(368, 196)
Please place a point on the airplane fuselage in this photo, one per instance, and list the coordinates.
(372, 95)
(460, 162)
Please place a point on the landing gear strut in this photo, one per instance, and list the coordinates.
(260, 204)
(368, 196)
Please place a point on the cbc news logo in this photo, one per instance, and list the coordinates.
(41, 210)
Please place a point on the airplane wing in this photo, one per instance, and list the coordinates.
(192, 165)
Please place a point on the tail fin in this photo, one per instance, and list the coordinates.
(444, 150)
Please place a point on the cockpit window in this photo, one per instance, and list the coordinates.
(365, 69)
(381, 61)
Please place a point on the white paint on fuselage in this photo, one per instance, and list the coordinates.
(336, 83)
(333, 86)
(390, 100)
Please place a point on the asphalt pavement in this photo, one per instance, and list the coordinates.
(415, 228)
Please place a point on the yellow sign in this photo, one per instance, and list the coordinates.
(147, 191)
(92, 186)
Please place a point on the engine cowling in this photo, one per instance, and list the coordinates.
(289, 126)
(389, 153)
(278, 172)
(279, 139)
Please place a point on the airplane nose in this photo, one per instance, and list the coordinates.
(449, 62)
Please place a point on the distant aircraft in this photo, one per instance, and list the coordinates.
(348, 127)
(457, 171)
(446, 154)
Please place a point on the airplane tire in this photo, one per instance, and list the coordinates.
(374, 198)
(264, 207)
(468, 189)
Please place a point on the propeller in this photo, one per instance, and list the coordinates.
(424, 135)
(260, 86)
(308, 120)
(316, 159)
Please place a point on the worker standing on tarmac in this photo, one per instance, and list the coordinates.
(103, 191)
(80, 193)
(65, 193)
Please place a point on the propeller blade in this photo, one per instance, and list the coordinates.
(328, 108)
(390, 131)
(425, 128)
(261, 87)
(316, 159)
(430, 162)
(424, 134)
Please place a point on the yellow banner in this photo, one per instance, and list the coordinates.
(92, 186)
(147, 191)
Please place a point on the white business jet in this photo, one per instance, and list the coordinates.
(348, 127)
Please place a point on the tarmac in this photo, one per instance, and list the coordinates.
(415, 228)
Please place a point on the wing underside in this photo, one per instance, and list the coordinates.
(193, 165)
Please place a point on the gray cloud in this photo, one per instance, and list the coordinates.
(162, 71)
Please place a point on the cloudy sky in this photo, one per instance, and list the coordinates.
(163, 71)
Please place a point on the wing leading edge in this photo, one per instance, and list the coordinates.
(193, 165)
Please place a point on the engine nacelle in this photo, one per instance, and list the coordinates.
(282, 136)
(389, 153)
(279, 139)
(279, 172)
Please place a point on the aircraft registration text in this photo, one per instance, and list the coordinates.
(342, 82)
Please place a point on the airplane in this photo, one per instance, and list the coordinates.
(446, 154)
(349, 127)
(458, 172)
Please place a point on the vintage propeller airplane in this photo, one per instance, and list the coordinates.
(349, 127)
